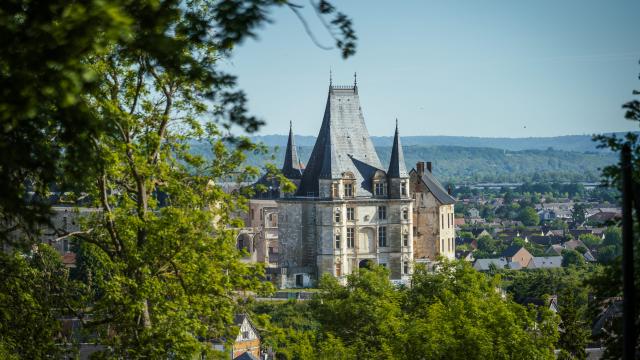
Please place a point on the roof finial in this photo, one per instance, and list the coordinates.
(330, 78)
(355, 79)
(396, 124)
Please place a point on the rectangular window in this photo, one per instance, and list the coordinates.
(442, 223)
(403, 188)
(351, 214)
(405, 267)
(415, 231)
(382, 212)
(449, 221)
(334, 190)
(382, 236)
(379, 189)
(405, 214)
(405, 239)
(337, 216)
(351, 237)
(383, 265)
(337, 241)
(348, 190)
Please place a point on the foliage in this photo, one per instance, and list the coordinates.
(572, 258)
(529, 216)
(579, 214)
(608, 283)
(49, 127)
(441, 315)
(590, 240)
(106, 97)
(575, 333)
(35, 292)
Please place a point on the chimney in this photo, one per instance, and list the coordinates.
(420, 168)
(449, 189)
(429, 166)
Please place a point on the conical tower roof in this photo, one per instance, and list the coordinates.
(397, 167)
(343, 145)
(292, 168)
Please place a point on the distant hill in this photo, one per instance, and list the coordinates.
(581, 143)
(472, 164)
(475, 159)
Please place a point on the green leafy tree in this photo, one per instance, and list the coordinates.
(457, 309)
(35, 292)
(48, 124)
(528, 216)
(487, 244)
(575, 332)
(608, 283)
(579, 214)
(572, 258)
(590, 240)
(365, 314)
(108, 96)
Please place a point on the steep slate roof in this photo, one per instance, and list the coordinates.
(436, 188)
(511, 251)
(343, 144)
(397, 167)
(292, 168)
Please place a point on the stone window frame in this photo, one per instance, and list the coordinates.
(405, 214)
(405, 237)
(382, 212)
(349, 181)
(337, 217)
(337, 239)
(351, 213)
(382, 237)
(379, 187)
(335, 189)
(379, 184)
(351, 237)
(403, 188)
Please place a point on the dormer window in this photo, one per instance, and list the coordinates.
(348, 190)
(403, 188)
(379, 189)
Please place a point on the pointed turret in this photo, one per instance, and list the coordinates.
(292, 168)
(397, 167)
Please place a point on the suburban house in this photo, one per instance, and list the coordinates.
(517, 254)
(246, 345)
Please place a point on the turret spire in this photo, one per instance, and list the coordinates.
(397, 167)
(291, 168)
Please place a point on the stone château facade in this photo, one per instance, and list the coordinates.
(348, 211)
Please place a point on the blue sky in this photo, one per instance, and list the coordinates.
(498, 68)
